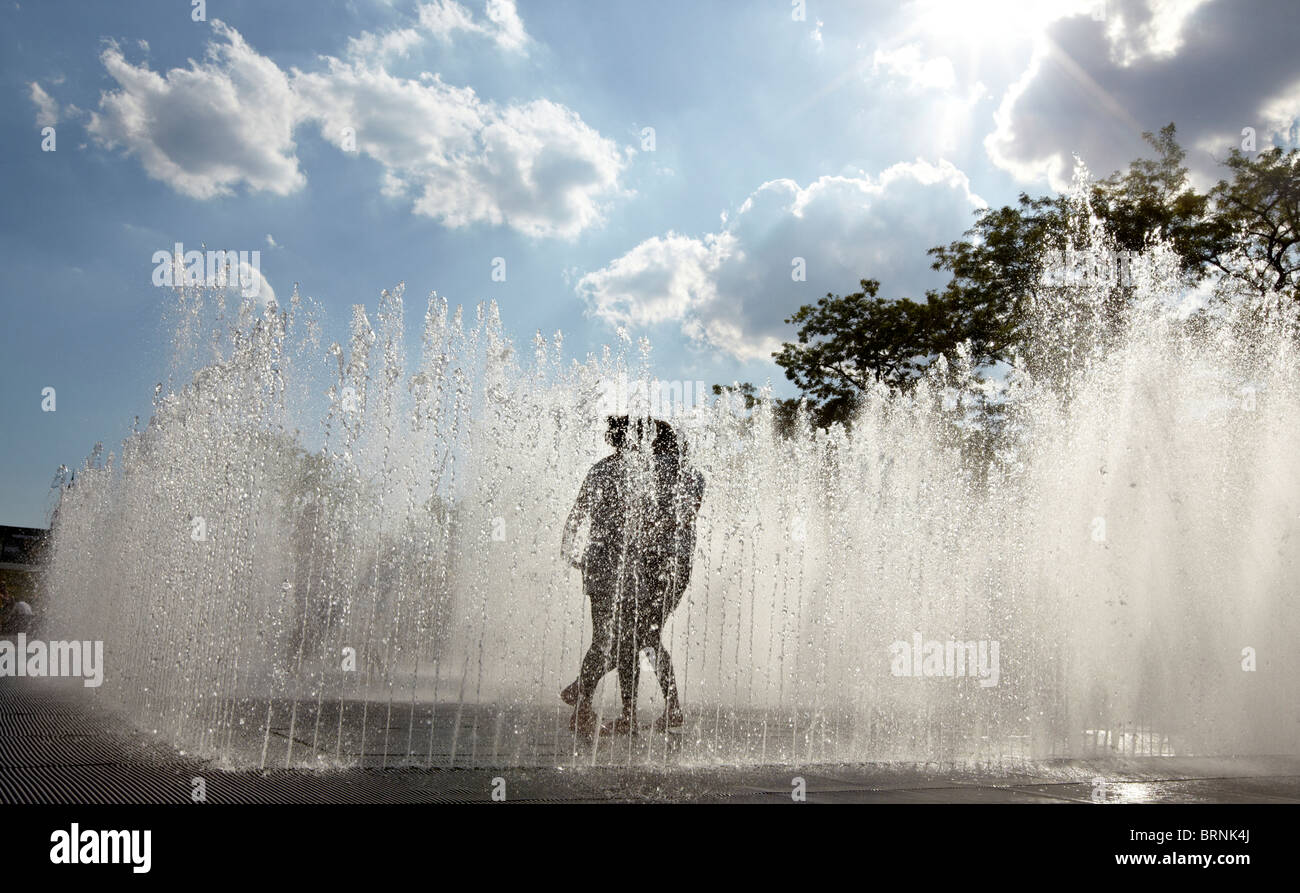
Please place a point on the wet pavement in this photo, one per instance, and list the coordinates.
(57, 747)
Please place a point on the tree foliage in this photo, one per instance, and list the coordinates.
(1244, 232)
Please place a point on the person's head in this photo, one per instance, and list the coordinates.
(667, 442)
(622, 431)
(616, 431)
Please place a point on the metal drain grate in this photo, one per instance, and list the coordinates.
(56, 749)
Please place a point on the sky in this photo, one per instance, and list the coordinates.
(665, 169)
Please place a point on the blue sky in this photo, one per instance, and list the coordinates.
(851, 135)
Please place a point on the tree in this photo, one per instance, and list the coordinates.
(784, 410)
(996, 272)
(1245, 231)
(1258, 213)
(847, 342)
(1153, 198)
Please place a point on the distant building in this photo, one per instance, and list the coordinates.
(20, 547)
(21, 550)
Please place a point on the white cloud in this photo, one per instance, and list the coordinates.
(443, 18)
(730, 290)
(47, 110)
(1150, 29)
(1092, 88)
(919, 94)
(254, 285)
(535, 167)
(509, 31)
(230, 120)
(381, 47)
(663, 279)
(907, 64)
(204, 130)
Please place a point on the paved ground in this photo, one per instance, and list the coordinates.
(55, 748)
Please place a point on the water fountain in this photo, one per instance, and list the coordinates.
(366, 570)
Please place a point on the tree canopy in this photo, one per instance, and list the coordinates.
(1244, 232)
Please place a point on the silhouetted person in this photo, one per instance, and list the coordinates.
(15, 614)
(642, 505)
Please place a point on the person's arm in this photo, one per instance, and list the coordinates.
(581, 507)
(690, 495)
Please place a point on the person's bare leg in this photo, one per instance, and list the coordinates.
(672, 717)
(594, 666)
(598, 661)
(629, 678)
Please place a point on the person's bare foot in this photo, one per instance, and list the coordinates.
(624, 725)
(583, 721)
(672, 718)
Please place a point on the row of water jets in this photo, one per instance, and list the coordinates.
(366, 568)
